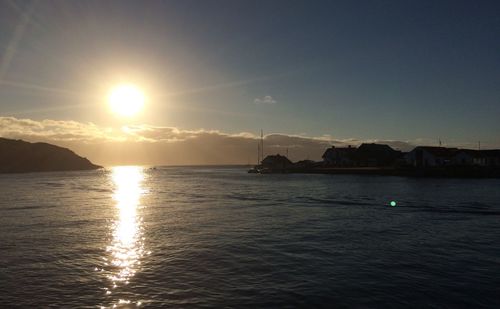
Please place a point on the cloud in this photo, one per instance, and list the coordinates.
(161, 145)
(265, 100)
(55, 130)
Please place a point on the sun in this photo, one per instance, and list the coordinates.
(126, 100)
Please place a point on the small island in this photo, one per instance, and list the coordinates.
(18, 156)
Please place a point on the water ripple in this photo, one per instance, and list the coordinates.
(219, 237)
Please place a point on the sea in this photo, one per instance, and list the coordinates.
(218, 237)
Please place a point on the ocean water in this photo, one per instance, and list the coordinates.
(218, 237)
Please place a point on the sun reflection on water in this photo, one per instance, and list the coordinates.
(127, 245)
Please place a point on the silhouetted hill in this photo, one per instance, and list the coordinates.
(17, 156)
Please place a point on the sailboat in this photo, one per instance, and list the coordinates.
(260, 155)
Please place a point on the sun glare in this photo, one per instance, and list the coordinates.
(127, 247)
(126, 100)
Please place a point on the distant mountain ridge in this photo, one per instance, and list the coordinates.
(18, 156)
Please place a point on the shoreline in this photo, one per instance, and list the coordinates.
(442, 172)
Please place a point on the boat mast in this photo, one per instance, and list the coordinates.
(258, 153)
(262, 144)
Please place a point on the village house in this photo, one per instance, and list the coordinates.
(339, 156)
(366, 155)
(466, 157)
(477, 157)
(376, 155)
(428, 156)
(489, 158)
(276, 162)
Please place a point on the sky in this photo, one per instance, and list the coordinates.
(309, 73)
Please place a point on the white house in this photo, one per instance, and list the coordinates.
(465, 157)
(426, 156)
